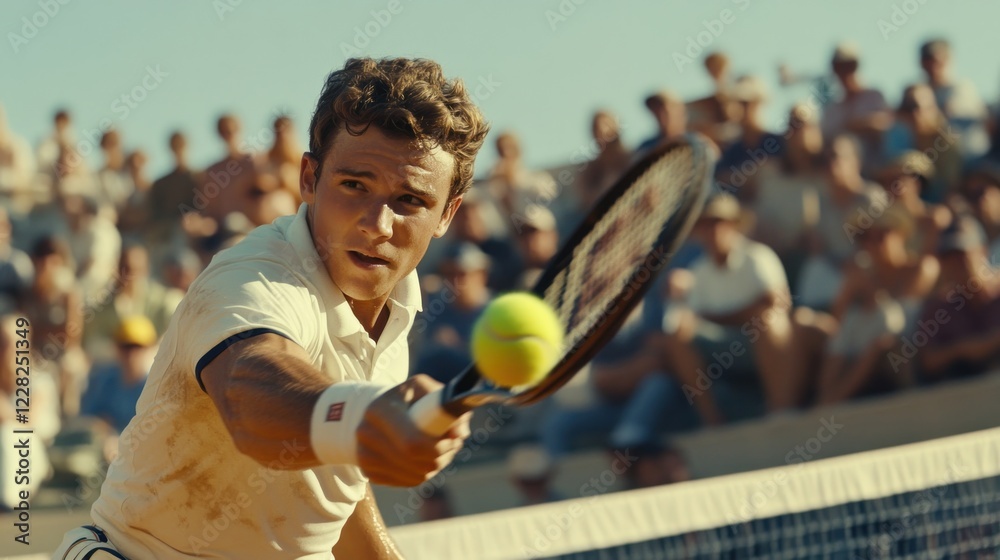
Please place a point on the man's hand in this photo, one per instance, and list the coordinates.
(392, 450)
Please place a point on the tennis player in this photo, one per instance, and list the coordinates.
(280, 387)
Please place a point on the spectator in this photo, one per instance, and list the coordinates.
(180, 268)
(786, 208)
(43, 415)
(132, 219)
(738, 306)
(50, 148)
(671, 120)
(860, 111)
(717, 115)
(531, 471)
(846, 194)
(114, 388)
(17, 168)
(512, 184)
(448, 334)
(172, 200)
(284, 157)
(114, 186)
(610, 163)
(742, 160)
(226, 182)
(906, 179)
(981, 191)
(94, 244)
(472, 224)
(55, 309)
(958, 99)
(16, 270)
(265, 199)
(538, 241)
(134, 293)
(921, 126)
(964, 311)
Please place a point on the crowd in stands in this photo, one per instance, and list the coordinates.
(846, 253)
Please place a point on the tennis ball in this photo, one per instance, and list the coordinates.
(516, 340)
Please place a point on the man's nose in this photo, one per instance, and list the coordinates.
(377, 222)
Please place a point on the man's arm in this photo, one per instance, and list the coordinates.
(365, 534)
(741, 316)
(936, 358)
(265, 389)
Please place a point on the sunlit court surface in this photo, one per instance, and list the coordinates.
(245, 249)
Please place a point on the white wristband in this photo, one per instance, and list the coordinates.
(336, 417)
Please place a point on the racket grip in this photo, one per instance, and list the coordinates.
(428, 415)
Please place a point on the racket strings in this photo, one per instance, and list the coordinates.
(621, 246)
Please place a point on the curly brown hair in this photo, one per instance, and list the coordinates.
(409, 97)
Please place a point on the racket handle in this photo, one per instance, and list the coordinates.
(428, 415)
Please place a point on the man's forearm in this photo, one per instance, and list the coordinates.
(365, 534)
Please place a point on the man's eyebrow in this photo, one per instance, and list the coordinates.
(354, 172)
(429, 194)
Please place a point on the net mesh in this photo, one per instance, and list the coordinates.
(934, 500)
(621, 245)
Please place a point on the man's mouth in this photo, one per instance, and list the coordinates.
(366, 261)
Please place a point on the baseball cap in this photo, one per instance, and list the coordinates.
(538, 217)
(135, 330)
(964, 234)
(749, 88)
(846, 52)
(466, 256)
(722, 206)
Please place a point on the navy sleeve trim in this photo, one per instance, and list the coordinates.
(221, 347)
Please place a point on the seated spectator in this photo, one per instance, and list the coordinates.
(17, 168)
(716, 115)
(961, 320)
(16, 270)
(741, 162)
(980, 191)
(180, 268)
(738, 306)
(472, 224)
(52, 146)
(905, 180)
(171, 196)
(43, 415)
(447, 329)
(94, 243)
(920, 126)
(531, 471)
(845, 195)
(113, 183)
(114, 388)
(283, 159)
(612, 160)
(884, 264)
(225, 183)
(132, 218)
(512, 183)
(134, 293)
(671, 120)
(54, 307)
(958, 99)
(538, 242)
(786, 208)
(860, 111)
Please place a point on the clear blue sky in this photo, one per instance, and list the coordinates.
(549, 74)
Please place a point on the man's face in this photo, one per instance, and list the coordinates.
(374, 208)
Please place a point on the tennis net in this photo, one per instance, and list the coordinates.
(937, 499)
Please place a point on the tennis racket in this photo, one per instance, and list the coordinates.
(599, 275)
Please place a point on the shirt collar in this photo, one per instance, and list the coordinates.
(405, 296)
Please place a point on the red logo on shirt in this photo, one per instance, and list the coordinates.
(335, 413)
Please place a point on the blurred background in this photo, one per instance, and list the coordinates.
(841, 286)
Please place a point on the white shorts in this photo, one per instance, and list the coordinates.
(87, 543)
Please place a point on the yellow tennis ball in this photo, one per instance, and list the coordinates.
(516, 340)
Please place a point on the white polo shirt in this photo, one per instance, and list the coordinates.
(180, 488)
(751, 270)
